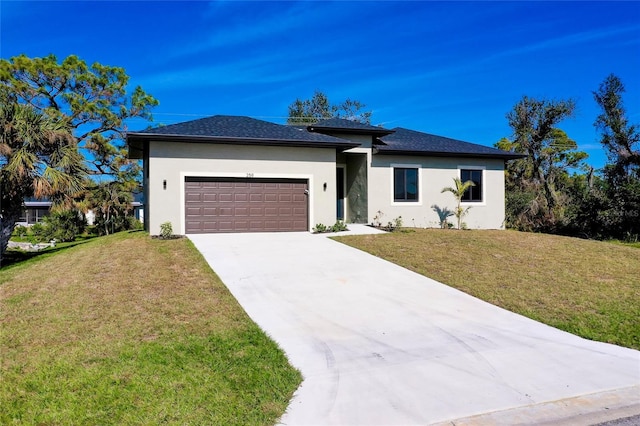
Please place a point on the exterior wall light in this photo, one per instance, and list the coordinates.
(164, 184)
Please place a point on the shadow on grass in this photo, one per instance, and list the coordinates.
(14, 257)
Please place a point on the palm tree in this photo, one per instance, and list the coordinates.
(458, 191)
(39, 158)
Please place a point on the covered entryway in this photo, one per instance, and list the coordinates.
(245, 205)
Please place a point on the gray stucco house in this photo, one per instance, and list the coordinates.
(239, 174)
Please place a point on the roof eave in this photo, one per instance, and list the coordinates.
(134, 138)
(506, 156)
(135, 148)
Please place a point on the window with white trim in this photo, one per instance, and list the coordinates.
(405, 184)
(474, 193)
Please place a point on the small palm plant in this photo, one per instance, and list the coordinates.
(458, 191)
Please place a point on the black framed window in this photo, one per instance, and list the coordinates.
(473, 194)
(405, 184)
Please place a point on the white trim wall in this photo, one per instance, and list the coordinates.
(173, 162)
(435, 174)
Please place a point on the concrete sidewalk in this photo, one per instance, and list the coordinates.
(380, 345)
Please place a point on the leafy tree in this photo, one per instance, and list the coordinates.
(620, 139)
(536, 195)
(64, 225)
(619, 192)
(91, 101)
(111, 202)
(38, 157)
(309, 111)
(458, 191)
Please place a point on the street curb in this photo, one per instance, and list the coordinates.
(582, 410)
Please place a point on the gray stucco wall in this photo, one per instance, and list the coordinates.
(172, 162)
(436, 173)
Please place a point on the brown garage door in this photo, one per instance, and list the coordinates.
(245, 205)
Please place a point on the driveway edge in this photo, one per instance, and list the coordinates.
(582, 410)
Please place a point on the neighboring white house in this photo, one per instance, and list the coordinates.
(34, 211)
(239, 174)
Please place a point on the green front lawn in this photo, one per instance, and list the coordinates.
(129, 330)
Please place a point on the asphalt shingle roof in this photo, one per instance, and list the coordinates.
(238, 128)
(246, 130)
(350, 126)
(405, 141)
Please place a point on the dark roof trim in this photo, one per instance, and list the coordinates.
(501, 156)
(346, 130)
(133, 137)
(346, 126)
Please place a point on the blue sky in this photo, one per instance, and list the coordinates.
(449, 68)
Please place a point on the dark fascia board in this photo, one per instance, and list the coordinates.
(134, 138)
(506, 156)
(135, 148)
(333, 130)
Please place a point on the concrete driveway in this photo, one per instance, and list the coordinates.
(380, 345)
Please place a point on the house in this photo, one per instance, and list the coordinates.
(34, 210)
(240, 174)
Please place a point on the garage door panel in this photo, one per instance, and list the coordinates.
(243, 205)
(240, 211)
(271, 211)
(241, 225)
(193, 197)
(271, 225)
(224, 226)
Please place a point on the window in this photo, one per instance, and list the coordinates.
(405, 184)
(473, 194)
